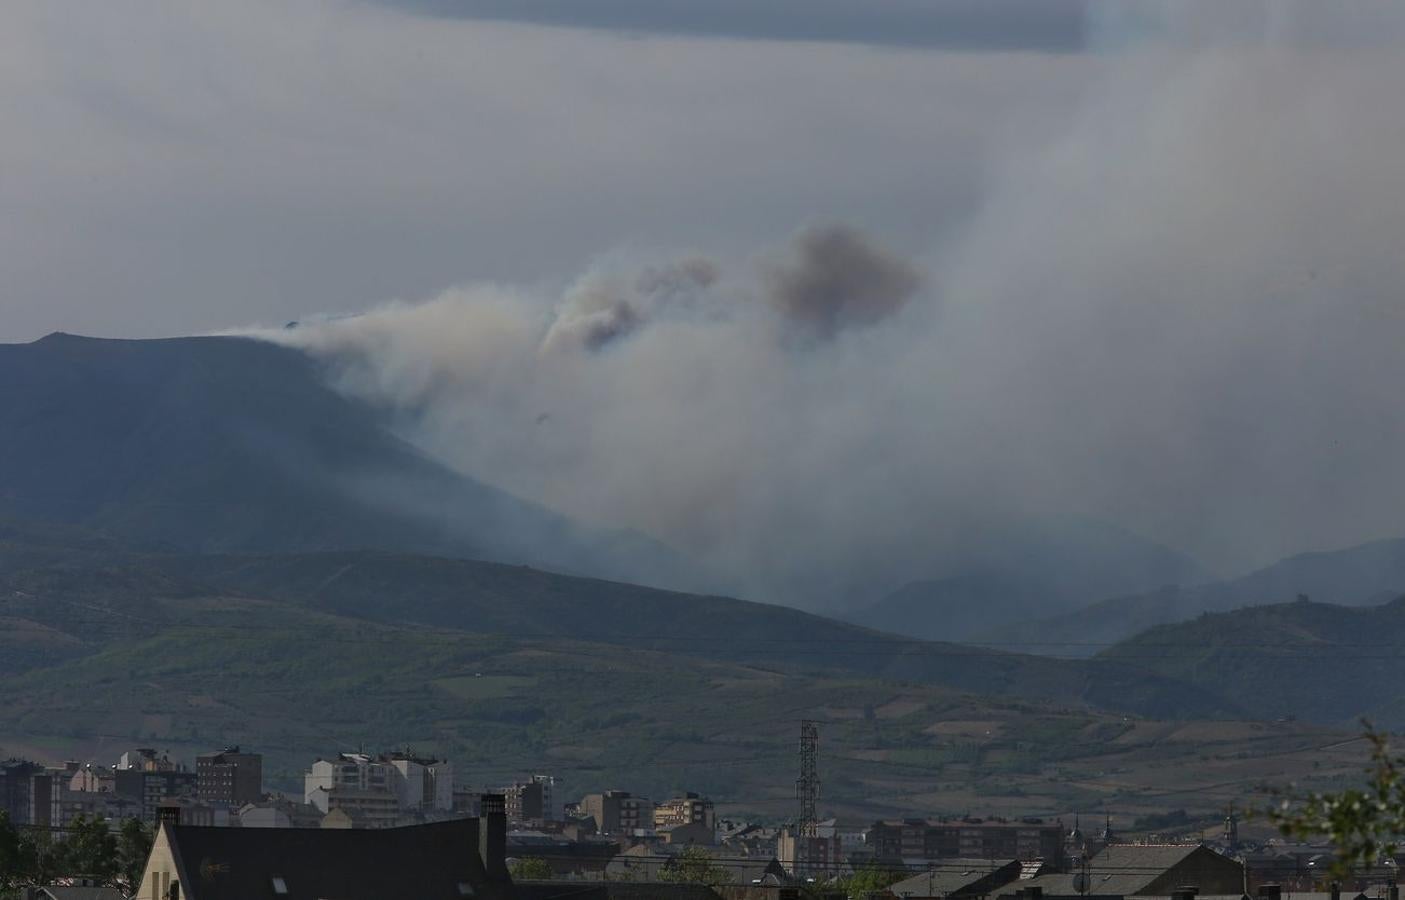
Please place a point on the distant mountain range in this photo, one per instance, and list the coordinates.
(1032, 570)
(1369, 574)
(229, 445)
(47, 593)
(508, 670)
(146, 486)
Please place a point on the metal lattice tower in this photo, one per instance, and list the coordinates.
(807, 786)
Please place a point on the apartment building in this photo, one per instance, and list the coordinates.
(925, 840)
(533, 800)
(420, 783)
(29, 793)
(148, 787)
(618, 812)
(689, 809)
(229, 777)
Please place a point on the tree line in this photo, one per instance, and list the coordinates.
(88, 848)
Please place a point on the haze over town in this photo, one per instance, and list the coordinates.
(514, 423)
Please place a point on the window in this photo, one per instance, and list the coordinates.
(465, 889)
(280, 886)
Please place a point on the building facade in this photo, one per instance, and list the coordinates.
(689, 809)
(618, 812)
(803, 855)
(533, 800)
(229, 777)
(29, 793)
(926, 840)
(421, 784)
(148, 787)
(145, 759)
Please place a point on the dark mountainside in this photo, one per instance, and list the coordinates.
(1367, 574)
(1039, 570)
(146, 483)
(226, 444)
(1322, 662)
(91, 604)
(509, 666)
(141, 655)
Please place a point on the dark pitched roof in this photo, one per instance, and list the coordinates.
(428, 862)
(947, 880)
(1120, 870)
(614, 890)
(1142, 857)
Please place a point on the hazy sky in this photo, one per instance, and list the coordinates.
(1138, 262)
(169, 168)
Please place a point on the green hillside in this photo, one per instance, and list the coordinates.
(519, 602)
(196, 670)
(1325, 663)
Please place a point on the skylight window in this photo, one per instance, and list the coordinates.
(280, 886)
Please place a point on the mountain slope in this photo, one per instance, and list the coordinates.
(1326, 663)
(1034, 570)
(1366, 574)
(226, 444)
(85, 601)
(484, 597)
(296, 684)
(531, 670)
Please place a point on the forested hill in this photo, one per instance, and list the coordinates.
(1318, 661)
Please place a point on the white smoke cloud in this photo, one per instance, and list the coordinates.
(1184, 315)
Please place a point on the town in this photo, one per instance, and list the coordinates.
(533, 842)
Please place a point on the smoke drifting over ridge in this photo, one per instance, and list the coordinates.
(1184, 316)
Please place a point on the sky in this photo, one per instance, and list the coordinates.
(812, 289)
(169, 170)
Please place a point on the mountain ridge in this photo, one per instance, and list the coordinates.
(233, 444)
(1364, 574)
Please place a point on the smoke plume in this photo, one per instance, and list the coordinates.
(835, 279)
(1183, 316)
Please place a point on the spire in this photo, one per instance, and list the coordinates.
(1231, 830)
(1108, 836)
(1074, 843)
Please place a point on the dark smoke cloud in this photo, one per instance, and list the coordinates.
(836, 278)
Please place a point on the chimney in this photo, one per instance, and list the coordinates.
(1336, 889)
(169, 814)
(492, 836)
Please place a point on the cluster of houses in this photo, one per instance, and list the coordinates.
(396, 825)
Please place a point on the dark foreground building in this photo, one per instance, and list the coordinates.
(439, 861)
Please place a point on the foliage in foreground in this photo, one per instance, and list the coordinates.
(89, 848)
(1364, 824)
(529, 868)
(871, 878)
(695, 866)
